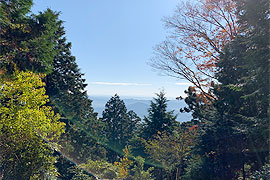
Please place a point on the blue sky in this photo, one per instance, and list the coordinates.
(113, 41)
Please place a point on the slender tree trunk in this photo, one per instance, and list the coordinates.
(243, 171)
(178, 171)
(177, 176)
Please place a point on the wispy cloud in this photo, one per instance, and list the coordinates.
(120, 84)
(184, 84)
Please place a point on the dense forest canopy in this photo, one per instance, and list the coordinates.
(49, 129)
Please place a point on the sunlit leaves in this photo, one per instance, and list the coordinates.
(124, 164)
(104, 169)
(23, 111)
(27, 125)
(169, 150)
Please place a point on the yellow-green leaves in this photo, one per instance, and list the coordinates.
(23, 111)
(26, 123)
(169, 150)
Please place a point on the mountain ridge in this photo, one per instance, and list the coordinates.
(141, 106)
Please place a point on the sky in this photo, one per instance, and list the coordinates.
(113, 43)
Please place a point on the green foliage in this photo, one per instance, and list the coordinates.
(23, 108)
(65, 86)
(233, 131)
(171, 150)
(262, 174)
(79, 174)
(27, 42)
(235, 127)
(102, 169)
(65, 168)
(124, 164)
(159, 119)
(124, 169)
(249, 56)
(138, 172)
(193, 170)
(18, 8)
(26, 122)
(120, 126)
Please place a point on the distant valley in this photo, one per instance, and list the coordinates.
(141, 106)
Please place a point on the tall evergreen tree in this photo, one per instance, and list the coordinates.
(235, 128)
(247, 92)
(159, 119)
(27, 41)
(120, 125)
(65, 86)
(37, 43)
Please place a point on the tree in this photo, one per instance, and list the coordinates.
(171, 150)
(220, 152)
(65, 86)
(158, 119)
(263, 173)
(37, 43)
(124, 169)
(27, 128)
(236, 126)
(120, 125)
(200, 31)
(27, 42)
(193, 169)
(246, 60)
(101, 168)
(138, 172)
(80, 175)
(114, 170)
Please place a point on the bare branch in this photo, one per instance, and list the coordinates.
(200, 30)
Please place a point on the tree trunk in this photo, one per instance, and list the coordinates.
(176, 176)
(243, 171)
(178, 171)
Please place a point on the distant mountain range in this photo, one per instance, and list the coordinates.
(140, 107)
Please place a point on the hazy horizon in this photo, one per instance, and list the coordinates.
(113, 43)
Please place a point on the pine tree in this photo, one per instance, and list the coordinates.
(120, 125)
(235, 127)
(65, 86)
(247, 92)
(37, 43)
(27, 41)
(158, 120)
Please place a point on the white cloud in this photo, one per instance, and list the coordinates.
(184, 84)
(120, 84)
